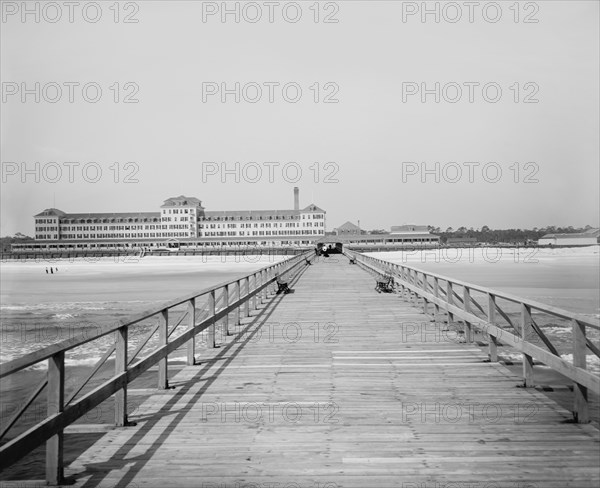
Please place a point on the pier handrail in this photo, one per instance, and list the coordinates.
(426, 286)
(60, 414)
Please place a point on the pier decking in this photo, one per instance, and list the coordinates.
(336, 385)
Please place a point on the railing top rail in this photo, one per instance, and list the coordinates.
(32, 358)
(558, 312)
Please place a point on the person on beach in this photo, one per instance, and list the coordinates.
(51, 271)
(46, 270)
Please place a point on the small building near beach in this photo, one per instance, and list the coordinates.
(347, 228)
(590, 237)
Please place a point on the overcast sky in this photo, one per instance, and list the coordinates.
(538, 163)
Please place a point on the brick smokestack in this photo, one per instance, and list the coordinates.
(296, 198)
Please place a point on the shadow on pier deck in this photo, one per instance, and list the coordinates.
(336, 385)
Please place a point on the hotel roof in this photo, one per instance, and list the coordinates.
(182, 201)
(172, 202)
(119, 215)
(249, 214)
(50, 212)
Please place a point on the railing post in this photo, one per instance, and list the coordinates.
(212, 338)
(120, 367)
(436, 293)
(269, 288)
(414, 282)
(191, 346)
(247, 302)
(580, 405)
(238, 318)
(56, 398)
(225, 305)
(163, 338)
(468, 331)
(263, 280)
(450, 300)
(396, 273)
(526, 331)
(425, 302)
(493, 344)
(257, 297)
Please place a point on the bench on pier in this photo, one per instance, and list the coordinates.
(282, 287)
(385, 284)
(308, 263)
(352, 260)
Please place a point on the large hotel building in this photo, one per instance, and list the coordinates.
(182, 223)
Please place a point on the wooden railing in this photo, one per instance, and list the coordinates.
(459, 299)
(239, 295)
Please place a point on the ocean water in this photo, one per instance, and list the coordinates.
(567, 278)
(38, 308)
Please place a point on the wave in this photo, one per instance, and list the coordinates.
(60, 306)
(593, 362)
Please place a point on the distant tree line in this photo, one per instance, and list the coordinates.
(5, 242)
(485, 234)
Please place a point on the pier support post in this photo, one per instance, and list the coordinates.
(56, 398)
(580, 406)
(468, 331)
(212, 339)
(493, 343)
(526, 333)
(191, 346)
(163, 337)
(120, 367)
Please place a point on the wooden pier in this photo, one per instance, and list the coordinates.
(337, 385)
